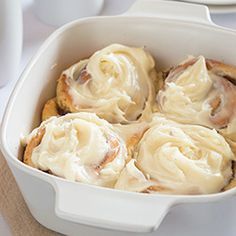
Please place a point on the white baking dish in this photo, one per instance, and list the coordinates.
(214, 2)
(170, 31)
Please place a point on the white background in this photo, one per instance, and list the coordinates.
(35, 32)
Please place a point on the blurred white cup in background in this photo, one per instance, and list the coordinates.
(59, 12)
(10, 39)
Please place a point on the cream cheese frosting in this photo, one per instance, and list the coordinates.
(119, 83)
(80, 147)
(180, 159)
(193, 94)
(132, 179)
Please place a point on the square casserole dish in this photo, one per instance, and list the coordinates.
(170, 31)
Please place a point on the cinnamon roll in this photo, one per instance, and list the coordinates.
(179, 159)
(79, 147)
(201, 91)
(116, 83)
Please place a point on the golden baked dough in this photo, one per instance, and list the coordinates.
(50, 109)
(33, 142)
(132, 134)
(222, 69)
(232, 183)
(64, 100)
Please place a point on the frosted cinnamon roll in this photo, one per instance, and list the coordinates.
(201, 91)
(179, 159)
(79, 147)
(116, 83)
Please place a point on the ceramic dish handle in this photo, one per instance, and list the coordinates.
(106, 208)
(171, 10)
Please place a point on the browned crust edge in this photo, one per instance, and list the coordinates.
(50, 109)
(64, 100)
(34, 142)
(225, 70)
(232, 182)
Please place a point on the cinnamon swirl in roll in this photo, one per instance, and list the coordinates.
(178, 159)
(79, 147)
(117, 83)
(201, 91)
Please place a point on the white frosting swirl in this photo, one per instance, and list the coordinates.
(180, 159)
(132, 179)
(193, 94)
(120, 87)
(80, 147)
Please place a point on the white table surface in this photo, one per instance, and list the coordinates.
(35, 32)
